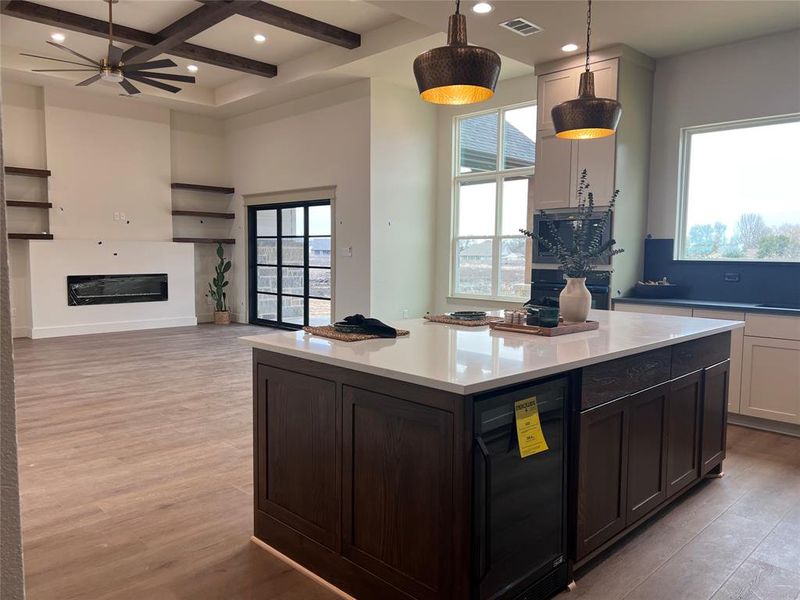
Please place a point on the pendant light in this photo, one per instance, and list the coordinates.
(587, 117)
(457, 73)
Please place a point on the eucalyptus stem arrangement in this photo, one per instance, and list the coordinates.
(579, 254)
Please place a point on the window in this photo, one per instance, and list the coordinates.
(494, 161)
(290, 264)
(739, 197)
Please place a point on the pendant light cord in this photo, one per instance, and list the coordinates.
(588, 33)
(458, 6)
(110, 25)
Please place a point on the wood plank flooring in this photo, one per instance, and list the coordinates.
(136, 474)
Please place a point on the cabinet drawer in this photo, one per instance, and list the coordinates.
(609, 380)
(697, 354)
(654, 309)
(772, 326)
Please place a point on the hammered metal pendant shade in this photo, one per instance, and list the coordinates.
(587, 117)
(457, 73)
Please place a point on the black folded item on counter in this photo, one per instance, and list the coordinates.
(371, 326)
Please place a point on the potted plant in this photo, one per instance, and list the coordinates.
(579, 255)
(216, 288)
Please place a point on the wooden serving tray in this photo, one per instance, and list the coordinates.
(562, 329)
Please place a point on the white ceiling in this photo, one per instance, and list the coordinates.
(393, 33)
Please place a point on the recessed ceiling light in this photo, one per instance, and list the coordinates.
(482, 8)
(192, 68)
(569, 47)
(58, 37)
(260, 38)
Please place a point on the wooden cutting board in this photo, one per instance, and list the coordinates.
(562, 329)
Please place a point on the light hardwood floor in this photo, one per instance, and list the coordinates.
(136, 467)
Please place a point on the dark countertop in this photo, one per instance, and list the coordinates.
(711, 305)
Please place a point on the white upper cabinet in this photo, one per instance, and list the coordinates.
(554, 88)
(598, 157)
(552, 183)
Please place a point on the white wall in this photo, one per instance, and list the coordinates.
(745, 80)
(52, 261)
(107, 155)
(23, 146)
(320, 141)
(509, 91)
(403, 172)
(198, 155)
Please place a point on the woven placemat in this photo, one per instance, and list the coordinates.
(451, 321)
(328, 331)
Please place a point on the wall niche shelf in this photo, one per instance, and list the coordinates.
(30, 236)
(204, 240)
(27, 172)
(214, 189)
(25, 204)
(200, 213)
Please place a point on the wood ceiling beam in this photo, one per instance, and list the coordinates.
(292, 21)
(53, 17)
(187, 27)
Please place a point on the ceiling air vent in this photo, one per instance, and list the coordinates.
(521, 26)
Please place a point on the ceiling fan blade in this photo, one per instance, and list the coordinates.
(129, 87)
(114, 54)
(138, 77)
(71, 62)
(91, 79)
(153, 64)
(60, 70)
(78, 54)
(168, 76)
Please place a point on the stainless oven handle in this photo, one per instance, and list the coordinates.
(487, 508)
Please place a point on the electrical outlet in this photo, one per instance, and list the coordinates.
(347, 251)
(13, 312)
(405, 313)
(731, 277)
(116, 216)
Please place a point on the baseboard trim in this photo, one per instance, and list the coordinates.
(764, 424)
(298, 567)
(20, 332)
(111, 327)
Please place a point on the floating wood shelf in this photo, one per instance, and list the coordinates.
(27, 172)
(30, 236)
(205, 240)
(202, 188)
(23, 204)
(200, 213)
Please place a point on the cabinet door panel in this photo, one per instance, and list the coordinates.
(296, 461)
(737, 348)
(398, 491)
(715, 402)
(683, 431)
(647, 478)
(602, 475)
(605, 78)
(771, 379)
(552, 184)
(554, 88)
(598, 157)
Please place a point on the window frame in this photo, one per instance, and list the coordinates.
(684, 160)
(497, 176)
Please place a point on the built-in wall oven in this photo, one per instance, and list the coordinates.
(520, 508)
(562, 224)
(546, 285)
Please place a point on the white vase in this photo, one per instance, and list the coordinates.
(575, 300)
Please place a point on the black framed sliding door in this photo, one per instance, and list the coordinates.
(290, 264)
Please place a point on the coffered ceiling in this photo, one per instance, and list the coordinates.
(392, 33)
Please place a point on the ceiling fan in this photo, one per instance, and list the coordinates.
(111, 68)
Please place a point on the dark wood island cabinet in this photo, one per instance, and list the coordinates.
(381, 486)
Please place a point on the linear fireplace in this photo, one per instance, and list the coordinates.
(116, 289)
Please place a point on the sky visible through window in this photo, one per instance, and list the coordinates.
(743, 200)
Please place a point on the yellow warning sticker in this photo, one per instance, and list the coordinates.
(529, 428)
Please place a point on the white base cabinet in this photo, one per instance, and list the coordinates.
(765, 360)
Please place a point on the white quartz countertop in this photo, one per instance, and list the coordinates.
(467, 360)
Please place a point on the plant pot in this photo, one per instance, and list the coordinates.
(575, 300)
(222, 317)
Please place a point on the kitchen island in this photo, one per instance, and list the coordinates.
(467, 463)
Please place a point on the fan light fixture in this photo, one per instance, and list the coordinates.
(587, 117)
(457, 73)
